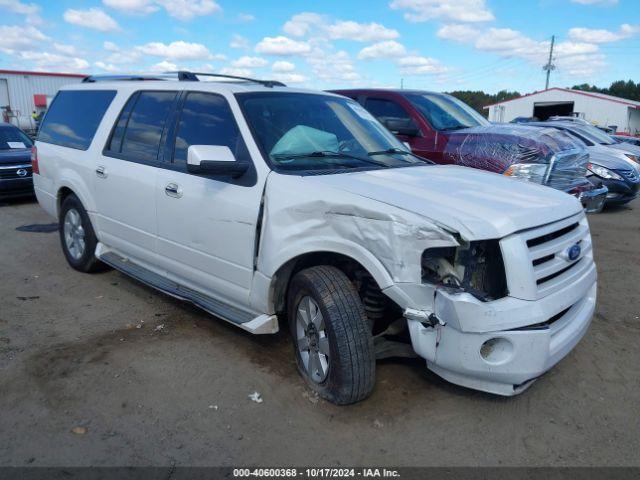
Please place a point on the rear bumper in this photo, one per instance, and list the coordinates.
(512, 358)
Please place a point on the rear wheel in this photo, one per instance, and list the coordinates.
(331, 335)
(77, 236)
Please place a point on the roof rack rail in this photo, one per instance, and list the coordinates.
(181, 75)
(120, 78)
(185, 75)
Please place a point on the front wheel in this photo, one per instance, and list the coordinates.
(331, 335)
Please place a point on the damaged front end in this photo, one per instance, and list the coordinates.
(474, 267)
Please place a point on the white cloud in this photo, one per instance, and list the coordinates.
(290, 77)
(110, 46)
(53, 61)
(164, 66)
(282, 46)
(249, 62)
(302, 23)
(107, 67)
(388, 49)
(573, 57)
(309, 23)
(93, 18)
(596, 2)
(31, 10)
(332, 66)
(238, 41)
(589, 35)
(17, 37)
(361, 32)
(132, 6)
(458, 32)
(246, 17)
(448, 10)
(283, 66)
(66, 49)
(238, 72)
(188, 9)
(178, 50)
(180, 9)
(419, 65)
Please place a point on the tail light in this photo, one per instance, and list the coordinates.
(34, 160)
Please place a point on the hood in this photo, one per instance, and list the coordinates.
(476, 204)
(610, 158)
(626, 147)
(15, 155)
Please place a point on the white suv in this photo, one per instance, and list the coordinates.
(261, 203)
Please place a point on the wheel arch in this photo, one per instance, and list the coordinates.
(344, 260)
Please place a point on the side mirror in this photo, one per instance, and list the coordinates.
(214, 160)
(402, 127)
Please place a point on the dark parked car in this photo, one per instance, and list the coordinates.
(441, 128)
(627, 139)
(15, 162)
(610, 166)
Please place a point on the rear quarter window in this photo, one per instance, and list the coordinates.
(74, 116)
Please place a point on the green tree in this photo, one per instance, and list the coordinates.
(478, 99)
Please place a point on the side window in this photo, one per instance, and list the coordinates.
(206, 119)
(74, 117)
(384, 109)
(139, 129)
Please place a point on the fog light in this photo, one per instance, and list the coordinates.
(496, 350)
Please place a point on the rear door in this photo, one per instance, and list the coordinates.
(125, 175)
(207, 224)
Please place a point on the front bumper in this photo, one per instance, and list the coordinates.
(593, 200)
(514, 357)
(16, 187)
(620, 191)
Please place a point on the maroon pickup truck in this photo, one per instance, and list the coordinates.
(443, 129)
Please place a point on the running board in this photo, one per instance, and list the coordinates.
(258, 325)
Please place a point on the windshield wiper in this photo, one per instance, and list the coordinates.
(328, 154)
(399, 151)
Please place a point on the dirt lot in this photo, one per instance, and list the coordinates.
(146, 380)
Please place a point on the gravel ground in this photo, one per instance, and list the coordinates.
(100, 370)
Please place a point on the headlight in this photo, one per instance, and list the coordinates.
(473, 267)
(531, 172)
(635, 158)
(603, 172)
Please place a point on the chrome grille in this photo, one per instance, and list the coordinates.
(11, 171)
(629, 175)
(537, 260)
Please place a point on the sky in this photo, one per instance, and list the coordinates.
(442, 45)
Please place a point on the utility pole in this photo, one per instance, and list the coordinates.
(550, 66)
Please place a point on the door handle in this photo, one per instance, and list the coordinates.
(101, 172)
(173, 190)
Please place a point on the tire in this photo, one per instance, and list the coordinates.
(77, 236)
(347, 374)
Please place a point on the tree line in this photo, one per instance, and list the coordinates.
(477, 99)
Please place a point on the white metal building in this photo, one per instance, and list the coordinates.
(597, 108)
(24, 92)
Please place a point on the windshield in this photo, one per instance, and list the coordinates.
(597, 135)
(11, 137)
(445, 112)
(320, 133)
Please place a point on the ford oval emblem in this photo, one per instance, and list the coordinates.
(22, 172)
(574, 251)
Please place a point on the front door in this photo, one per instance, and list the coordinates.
(206, 224)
